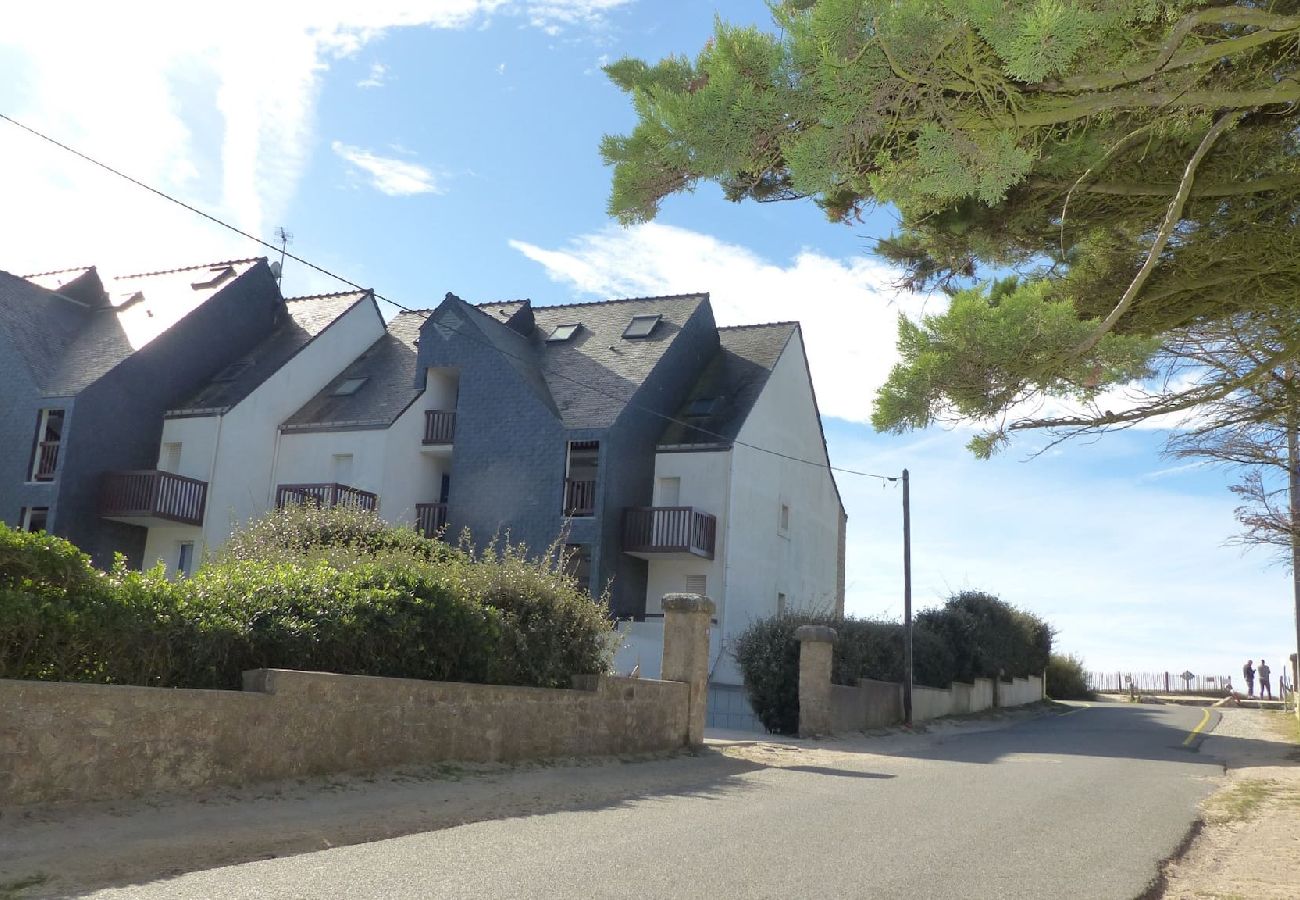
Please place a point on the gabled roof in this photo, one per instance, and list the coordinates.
(592, 375)
(306, 318)
(68, 342)
(732, 380)
(388, 369)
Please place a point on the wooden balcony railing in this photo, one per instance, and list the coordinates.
(669, 529)
(439, 426)
(153, 494)
(329, 494)
(47, 460)
(579, 497)
(430, 518)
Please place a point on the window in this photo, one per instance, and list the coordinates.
(703, 406)
(563, 333)
(577, 564)
(784, 522)
(669, 492)
(780, 603)
(348, 387)
(641, 326)
(341, 468)
(697, 584)
(35, 518)
(185, 558)
(170, 459)
(49, 436)
(580, 478)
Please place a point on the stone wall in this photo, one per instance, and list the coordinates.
(78, 742)
(877, 704)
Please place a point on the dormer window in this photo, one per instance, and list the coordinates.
(641, 326)
(349, 387)
(563, 333)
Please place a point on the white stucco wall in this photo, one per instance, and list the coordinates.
(762, 560)
(236, 452)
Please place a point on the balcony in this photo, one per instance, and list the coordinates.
(430, 518)
(439, 430)
(579, 497)
(328, 494)
(152, 499)
(47, 460)
(666, 532)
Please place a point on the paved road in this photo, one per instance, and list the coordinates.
(1077, 805)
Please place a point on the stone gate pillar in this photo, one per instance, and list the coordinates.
(686, 655)
(816, 645)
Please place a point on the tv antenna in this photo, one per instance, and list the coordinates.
(285, 238)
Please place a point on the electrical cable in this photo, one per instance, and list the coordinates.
(623, 401)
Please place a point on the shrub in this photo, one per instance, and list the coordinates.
(326, 590)
(973, 635)
(1066, 678)
(768, 656)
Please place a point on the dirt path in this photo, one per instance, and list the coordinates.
(1249, 845)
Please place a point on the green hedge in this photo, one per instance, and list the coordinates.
(972, 635)
(1067, 679)
(323, 590)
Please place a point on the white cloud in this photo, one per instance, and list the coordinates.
(393, 177)
(501, 68)
(175, 101)
(377, 77)
(848, 309)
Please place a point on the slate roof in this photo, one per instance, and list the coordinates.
(68, 343)
(388, 367)
(733, 379)
(590, 377)
(307, 317)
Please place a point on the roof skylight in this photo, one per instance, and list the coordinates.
(703, 406)
(641, 326)
(563, 333)
(348, 387)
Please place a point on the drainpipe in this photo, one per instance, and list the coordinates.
(726, 567)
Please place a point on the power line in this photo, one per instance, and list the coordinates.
(624, 401)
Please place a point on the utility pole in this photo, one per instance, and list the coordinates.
(1293, 491)
(907, 599)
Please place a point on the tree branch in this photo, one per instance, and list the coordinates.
(1172, 216)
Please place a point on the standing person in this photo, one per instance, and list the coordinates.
(1264, 672)
(1248, 673)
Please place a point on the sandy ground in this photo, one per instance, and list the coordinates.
(59, 852)
(1249, 845)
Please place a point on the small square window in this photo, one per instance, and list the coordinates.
(641, 326)
(697, 584)
(563, 333)
(349, 387)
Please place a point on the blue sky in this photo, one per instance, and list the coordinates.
(451, 145)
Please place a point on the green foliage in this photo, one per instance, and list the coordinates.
(321, 590)
(1066, 678)
(973, 635)
(1044, 136)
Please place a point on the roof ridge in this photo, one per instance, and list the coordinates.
(326, 296)
(794, 322)
(207, 265)
(56, 272)
(413, 312)
(624, 300)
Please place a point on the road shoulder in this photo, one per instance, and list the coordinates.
(1245, 843)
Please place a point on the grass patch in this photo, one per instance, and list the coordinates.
(12, 890)
(1286, 725)
(1242, 800)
